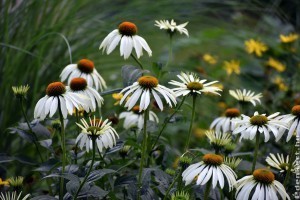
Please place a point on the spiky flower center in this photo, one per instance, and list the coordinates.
(259, 120)
(296, 110)
(55, 89)
(127, 28)
(136, 109)
(148, 82)
(232, 112)
(78, 84)
(284, 166)
(264, 176)
(212, 159)
(86, 66)
(194, 86)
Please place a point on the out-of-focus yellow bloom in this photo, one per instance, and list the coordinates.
(199, 133)
(232, 66)
(80, 112)
(4, 183)
(292, 37)
(255, 47)
(118, 97)
(222, 105)
(280, 84)
(175, 163)
(209, 59)
(277, 65)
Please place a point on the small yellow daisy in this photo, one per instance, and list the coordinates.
(255, 47)
(277, 65)
(232, 66)
(292, 37)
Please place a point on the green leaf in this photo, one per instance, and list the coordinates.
(98, 174)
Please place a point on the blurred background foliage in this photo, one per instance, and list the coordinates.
(37, 37)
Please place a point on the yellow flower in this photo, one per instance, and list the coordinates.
(255, 47)
(209, 59)
(280, 84)
(277, 65)
(118, 97)
(292, 37)
(4, 183)
(199, 133)
(232, 66)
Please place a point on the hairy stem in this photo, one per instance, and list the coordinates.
(191, 124)
(90, 169)
(137, 61)
(255, 151)
(292, 155)
(63, 147)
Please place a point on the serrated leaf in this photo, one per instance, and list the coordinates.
(22, 133)
(125, 180)
(98, 174)
(119, 145)
(43, 197)
(70, 177)
(47, 166)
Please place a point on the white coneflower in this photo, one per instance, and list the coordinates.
(192, 85)
(127, 34)
(79, 85)
(260, 185)
(135, 118)
(57, 97)
(217, 138)
(246, 96)
(293, 121)
(224, 123)
(280, 162)
(211, 168)
(101, 131)
(249, 126)
(142, 89)
(13, 196)
(172, 27)
(86, 69)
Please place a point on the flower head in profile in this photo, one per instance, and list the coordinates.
(292, 37)
(85, 69)
(143, 89)
(293, 121)
(172, 27)
(192, 85)
(224, 123)
(211, 167)
(255, 47)
(135, 118)
(209, 59)
(275, 64)
(98, 130)
(13, 196)
(280, 162)
(16, 182)
(258, 123)
(260, 185)
(232, 162)
(20, 91)
(218, 139)
(246, 96)
(79, 85)
(232, 66)
(180, 195)
(58, 98)
(126, 34)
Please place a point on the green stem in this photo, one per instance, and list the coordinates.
(177, 178)
(78, 132)
(63, 147)
(136, 60)
(35, 139)
(207, 190)
(170, 52)
(144, 152)
(166, 122)
(191, 124)
(292, 155)
(90, 169)
(255, 151)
